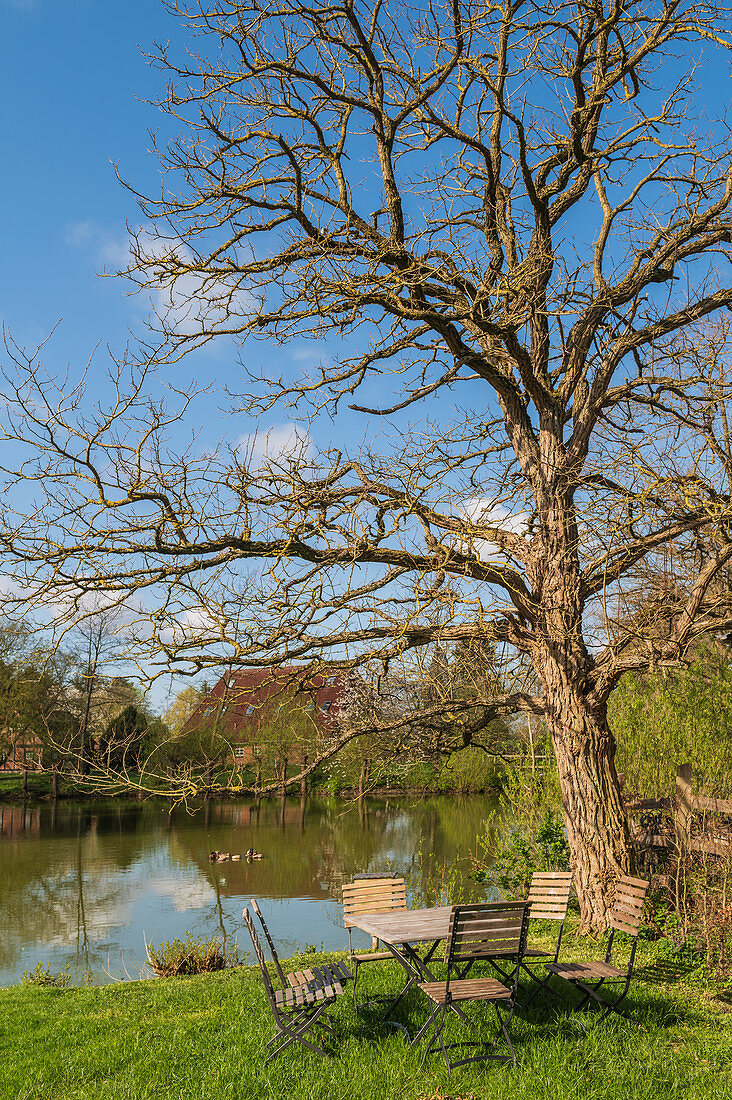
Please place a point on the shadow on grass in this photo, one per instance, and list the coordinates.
(664, 971)
(553, 1011)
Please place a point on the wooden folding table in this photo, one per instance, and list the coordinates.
(400, 930)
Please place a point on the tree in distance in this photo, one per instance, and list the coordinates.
(504, 229)
(183, 706)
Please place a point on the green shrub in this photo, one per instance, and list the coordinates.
(675, 716)
(526, 834)
(522, 851)
(469, 771)
(175, 958)
(45, 978)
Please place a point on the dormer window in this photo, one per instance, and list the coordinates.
(326, 706)
(330, 680)
(250, 709)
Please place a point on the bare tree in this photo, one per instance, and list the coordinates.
(100, 698)
(505, 213)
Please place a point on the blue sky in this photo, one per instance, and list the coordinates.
(73, 81)
(74, 84)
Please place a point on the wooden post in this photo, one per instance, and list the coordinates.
(531, 746)
(683, 807)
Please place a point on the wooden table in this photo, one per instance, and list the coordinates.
(400, 930)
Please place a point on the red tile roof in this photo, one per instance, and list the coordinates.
(242, 698)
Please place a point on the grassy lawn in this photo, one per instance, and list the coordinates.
(204, 1037)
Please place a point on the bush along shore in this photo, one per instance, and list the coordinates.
(205, 1037)
(39, 786)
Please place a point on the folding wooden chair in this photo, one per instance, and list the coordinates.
(548, 900)
(334, 974)
(370, 894)
(626, 917)
(295, 1009)
(478, 932)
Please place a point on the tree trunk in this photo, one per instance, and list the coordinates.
(593, 812)
(54, 784)
(362, 779)
(597, 830)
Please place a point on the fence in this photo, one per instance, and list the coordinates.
(678, 827)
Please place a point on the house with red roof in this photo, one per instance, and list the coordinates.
(247, 706)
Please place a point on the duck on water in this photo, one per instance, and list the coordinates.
(224, 857)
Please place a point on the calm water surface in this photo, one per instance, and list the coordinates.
(89, 883)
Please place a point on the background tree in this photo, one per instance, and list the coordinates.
(35, 686)
(192, 756)
(98, 644)
(500, 216)
(183, 706)
(121, 745)
(283, 733)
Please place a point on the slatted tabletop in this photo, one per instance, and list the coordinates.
(406, 925)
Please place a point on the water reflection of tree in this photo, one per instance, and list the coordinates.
(75, 903)
(310, 850)
(82, 934)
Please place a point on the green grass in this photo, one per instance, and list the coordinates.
(205, 1037)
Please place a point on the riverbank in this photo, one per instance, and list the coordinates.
(40, 789)
(205, 1037)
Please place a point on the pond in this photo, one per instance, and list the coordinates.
(88, 884)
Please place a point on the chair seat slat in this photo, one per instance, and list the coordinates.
(469, 989)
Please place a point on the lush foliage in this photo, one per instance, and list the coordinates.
(525, 834)
(676, 716)
(509, 864)
(469, 772)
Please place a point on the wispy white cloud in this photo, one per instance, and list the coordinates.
(306, 354)
(188, 304)
(110, 250)
(280, 441)
(482, 511)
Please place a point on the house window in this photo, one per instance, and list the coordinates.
(206, 711)
(239, 750)
(311, 706)
(330, 680)
(250, 709)
(326, 706)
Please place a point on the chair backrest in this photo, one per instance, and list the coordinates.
(373, 895)
(265, 929)
(630, 893)
(260, 958)
(549, 895)
(486, 930)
